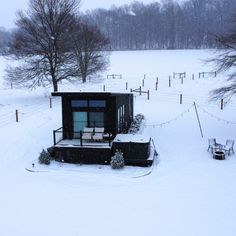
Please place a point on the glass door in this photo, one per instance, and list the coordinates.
(80, 120)
(96, 119)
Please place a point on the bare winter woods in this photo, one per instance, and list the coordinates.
(166, 25)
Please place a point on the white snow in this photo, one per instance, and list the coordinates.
(136, 138)
(187, 192)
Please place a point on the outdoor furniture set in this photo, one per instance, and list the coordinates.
(93, 134)
(218, 149)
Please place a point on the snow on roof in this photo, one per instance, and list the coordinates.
(135, 138)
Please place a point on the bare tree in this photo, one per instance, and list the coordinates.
(225, 61)
(89, 49)
(42, 41)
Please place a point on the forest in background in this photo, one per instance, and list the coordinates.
(166, 25)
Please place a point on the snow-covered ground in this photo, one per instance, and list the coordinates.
(188, 193)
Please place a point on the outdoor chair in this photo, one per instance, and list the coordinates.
(87, 133)
(229, 146)
(98, 134)
(213, 145)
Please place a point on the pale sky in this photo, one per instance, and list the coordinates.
(8, 8)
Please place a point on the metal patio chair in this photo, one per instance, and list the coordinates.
(98, 134)
(213, 145)
(87, 134)
(229, 146)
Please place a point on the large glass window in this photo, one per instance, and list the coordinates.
(97, 103)
(88, 103)
(79, 103)
(96, 119)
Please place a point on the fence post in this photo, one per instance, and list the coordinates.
(143, 83)
(126, 85)
(148, 95)
(50, 101)
(17, 116)
(182, 79)
(192, 76)
(169, 82)
(144, 77)
(131, 90)
(222, 104)
(184, 74)
(156, 86)
(157, 80)
(199, 75)
(140, 90)
(181, 98)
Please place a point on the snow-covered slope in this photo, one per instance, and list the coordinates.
(187, 193)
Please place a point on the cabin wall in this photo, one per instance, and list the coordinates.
(124, 112)
(118, 112)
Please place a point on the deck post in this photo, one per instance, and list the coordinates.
(109, 139)
(81, 141)
(54, 137)
(140, 91)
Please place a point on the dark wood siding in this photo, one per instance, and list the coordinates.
(114, 101)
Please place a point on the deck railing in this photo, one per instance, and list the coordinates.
(58, 137)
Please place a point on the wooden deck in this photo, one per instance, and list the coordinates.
(71, 151)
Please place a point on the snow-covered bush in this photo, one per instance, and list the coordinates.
(44, 157)
(117, 161)
(136, 124)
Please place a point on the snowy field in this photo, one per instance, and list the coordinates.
(188, 193)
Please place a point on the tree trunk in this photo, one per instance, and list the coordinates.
(84, 77)
(55, 86)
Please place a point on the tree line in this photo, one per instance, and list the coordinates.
(166, 25)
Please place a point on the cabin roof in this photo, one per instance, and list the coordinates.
(87, 94)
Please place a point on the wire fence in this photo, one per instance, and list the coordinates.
(149, 85)
(18, 114)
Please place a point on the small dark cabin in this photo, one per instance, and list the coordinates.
(113, 111)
